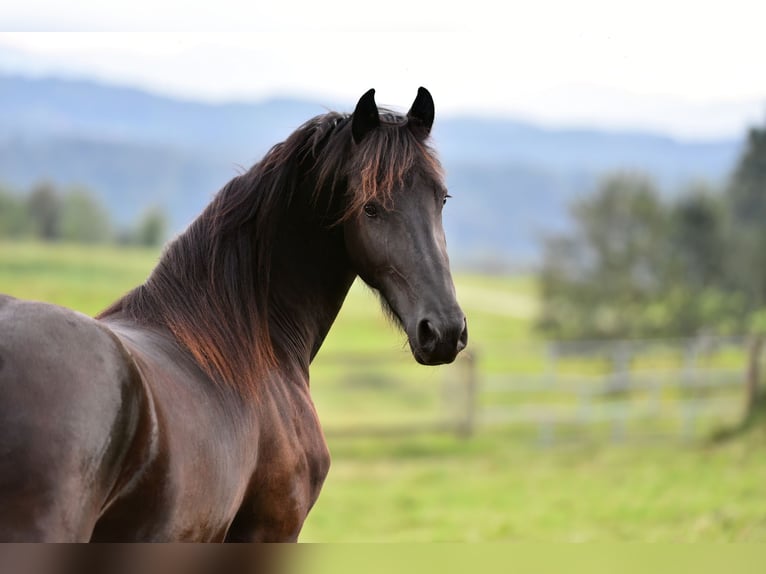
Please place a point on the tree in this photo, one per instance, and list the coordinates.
(83, 219)
(14, 221)
(151, 228)
(606, 278)
(746, 202)
(637, 267)
(697, 238)
(698, 251)
(44, 211)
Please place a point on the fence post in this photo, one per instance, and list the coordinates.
(753, 374)
(691, 368)
(551, 363)
(622, 355)
(689, 387)
(468, 424)
(621, 386)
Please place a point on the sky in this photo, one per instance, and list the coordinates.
(689, 69)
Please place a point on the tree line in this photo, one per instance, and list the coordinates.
(48, 213)
(636, 264)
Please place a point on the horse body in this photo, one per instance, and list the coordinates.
(139, 457)
(183, 411)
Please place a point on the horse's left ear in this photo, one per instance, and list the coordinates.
(422, 110)
(366, 117)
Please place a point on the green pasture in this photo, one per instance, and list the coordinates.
(495, 486)
(83, 278)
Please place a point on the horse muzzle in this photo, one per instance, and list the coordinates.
(437, 341)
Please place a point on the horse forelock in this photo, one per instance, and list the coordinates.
(379, 166)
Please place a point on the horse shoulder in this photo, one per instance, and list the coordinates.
(292, 465)
(194, 468)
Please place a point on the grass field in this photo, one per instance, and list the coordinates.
(492, 487)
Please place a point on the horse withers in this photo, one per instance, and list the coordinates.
(182, 412)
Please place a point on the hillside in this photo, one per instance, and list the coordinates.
(511, 181)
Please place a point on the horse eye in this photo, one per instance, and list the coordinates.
(370, 210)
(446, 197)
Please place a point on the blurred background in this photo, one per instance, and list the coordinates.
(607, 162)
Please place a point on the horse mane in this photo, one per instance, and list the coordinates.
(211, 287)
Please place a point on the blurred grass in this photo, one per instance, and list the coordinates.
(87, 279)
(495, 486)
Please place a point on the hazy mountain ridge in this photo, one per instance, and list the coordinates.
(511, 181)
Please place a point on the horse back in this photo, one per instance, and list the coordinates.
(70, 404)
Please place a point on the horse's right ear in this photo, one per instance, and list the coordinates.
(365, 118)
(422, 111)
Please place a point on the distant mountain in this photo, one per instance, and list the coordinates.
(511, 181)
(128, 177)
(481, 141)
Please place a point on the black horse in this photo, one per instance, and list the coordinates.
(182, 412)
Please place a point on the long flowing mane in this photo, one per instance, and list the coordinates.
(212, 285)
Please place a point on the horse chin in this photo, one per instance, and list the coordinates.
(431, 359)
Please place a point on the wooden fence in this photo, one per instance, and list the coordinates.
(618, 391)
(643, 390)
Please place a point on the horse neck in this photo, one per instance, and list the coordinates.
(309, 280)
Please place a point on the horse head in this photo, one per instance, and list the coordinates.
(395, 239)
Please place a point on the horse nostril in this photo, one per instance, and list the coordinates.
(463, 340)
(428, 335)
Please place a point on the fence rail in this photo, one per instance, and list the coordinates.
(622, 390)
